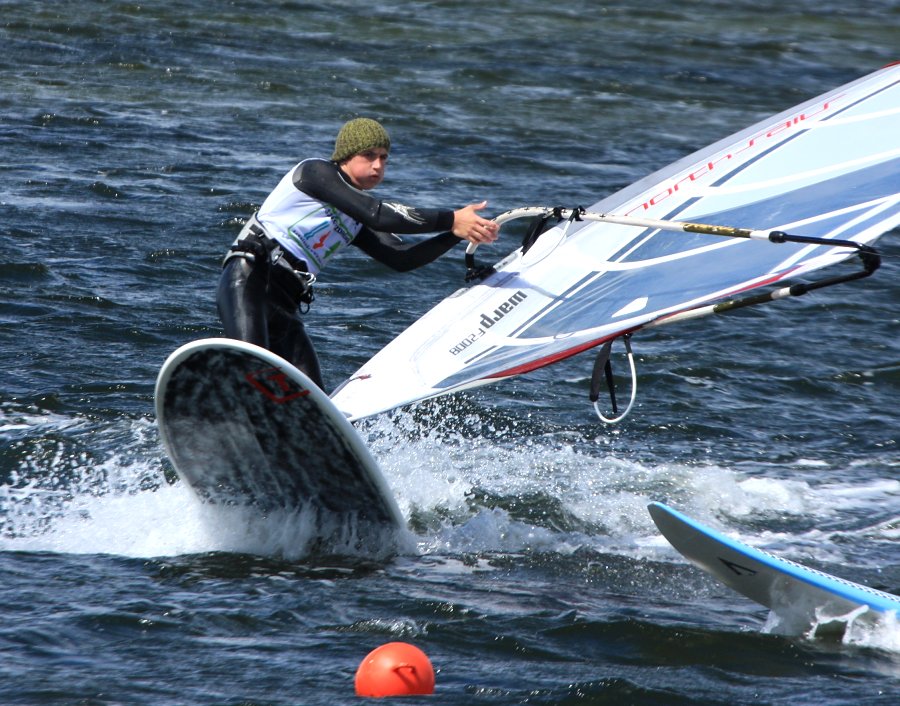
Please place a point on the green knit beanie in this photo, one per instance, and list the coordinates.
(359, 135)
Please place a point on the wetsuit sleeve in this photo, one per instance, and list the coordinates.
(323, 181)
(402, 256)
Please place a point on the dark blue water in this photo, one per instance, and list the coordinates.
(136, 138)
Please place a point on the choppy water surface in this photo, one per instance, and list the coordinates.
(137, 137)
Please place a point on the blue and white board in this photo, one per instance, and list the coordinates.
(244, 427)
(824, 169)
(779, 584)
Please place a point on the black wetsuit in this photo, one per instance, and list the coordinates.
(258, 299)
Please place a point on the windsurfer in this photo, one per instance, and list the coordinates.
(318, 208)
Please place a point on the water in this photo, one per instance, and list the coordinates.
(137, 137)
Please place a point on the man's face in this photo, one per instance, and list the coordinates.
(366, 169)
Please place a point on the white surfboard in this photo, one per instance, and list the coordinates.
(783, 586)
(244, 427)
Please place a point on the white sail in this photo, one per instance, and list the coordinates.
(828, 168)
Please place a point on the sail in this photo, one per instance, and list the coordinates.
(826, 169)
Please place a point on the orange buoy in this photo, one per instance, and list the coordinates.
(395, 669)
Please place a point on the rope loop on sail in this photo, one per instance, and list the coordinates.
(603, 367)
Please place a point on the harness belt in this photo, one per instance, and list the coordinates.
(253, 244)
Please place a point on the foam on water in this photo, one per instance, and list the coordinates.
(72, 502)
(463, 493)
(168, 521)
(600, 498)
(454, 478)
(861, 627)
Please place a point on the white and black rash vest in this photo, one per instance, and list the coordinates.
(315, 211)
